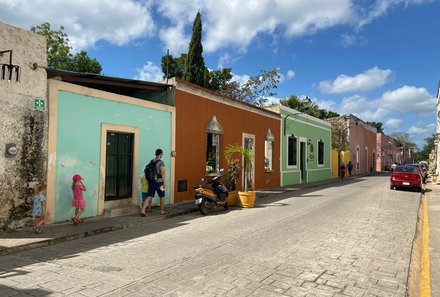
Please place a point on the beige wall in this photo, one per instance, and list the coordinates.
(21, 124)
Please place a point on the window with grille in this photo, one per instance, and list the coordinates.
(119, 166)
(320, 152)
(292, 151)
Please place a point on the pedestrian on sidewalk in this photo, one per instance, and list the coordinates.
(39, 202)
(78, 199)
(342, 170)
(157, 185)
(349, 168)
(144, 190)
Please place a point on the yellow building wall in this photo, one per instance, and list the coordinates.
(345, 157)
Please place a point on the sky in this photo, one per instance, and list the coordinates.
(378, 60)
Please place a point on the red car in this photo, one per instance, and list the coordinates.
(406, 177)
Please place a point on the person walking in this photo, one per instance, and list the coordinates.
(158, 185)
(78, 201)
(342, 170)
(39, 208)
(393, 166)
(144, 184)
(350, 168)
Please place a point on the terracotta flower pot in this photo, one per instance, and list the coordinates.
(247, 199)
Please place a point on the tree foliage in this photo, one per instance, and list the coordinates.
(297, 103)
(423, 155)
(81, 62)
(403, 140)
(217, 80)
(195, 69)
(377, 125)
(176, 66)
(339, 135)
(59, 55)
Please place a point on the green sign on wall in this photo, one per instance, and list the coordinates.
(39, 104)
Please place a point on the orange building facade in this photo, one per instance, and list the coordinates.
(206, 124)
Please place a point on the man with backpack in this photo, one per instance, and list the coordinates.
(155, 174)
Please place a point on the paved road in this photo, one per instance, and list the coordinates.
(353, 239)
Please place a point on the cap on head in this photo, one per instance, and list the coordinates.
(77, 177)
(158, 152)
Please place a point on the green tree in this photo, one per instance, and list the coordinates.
(423, 155)
(377, 125)
(176, 66)
(339, 135)
(58, 49)
(217, 80)
(59, 55)
(296, 103)
(81, 62)
(195, 69)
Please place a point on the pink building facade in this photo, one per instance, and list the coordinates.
(363, 148)
(386, 148)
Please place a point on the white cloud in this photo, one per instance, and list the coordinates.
(325, 104)
(85, 22)
(175, 40)
(378, 8)
(368, 80)
(290, 74)
(149, 72)
(240, 79)
(417, 130)
(225, 23)
(393, 124)
(409, 99)
(354, 104)
(285, 77)
(348, 40)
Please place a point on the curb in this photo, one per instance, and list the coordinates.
(114, 227)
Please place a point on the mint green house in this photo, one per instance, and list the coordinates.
(305, 147)
(107, 137)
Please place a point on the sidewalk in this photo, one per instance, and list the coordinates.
(433, 195)
(25, 238)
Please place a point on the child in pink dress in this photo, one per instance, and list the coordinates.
(78, 199)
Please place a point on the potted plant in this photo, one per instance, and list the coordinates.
(231, 178)
(247, 198)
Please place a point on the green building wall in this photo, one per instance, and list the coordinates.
(78, 144)
(310, 130)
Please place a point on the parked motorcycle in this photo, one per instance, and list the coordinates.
(211, 194)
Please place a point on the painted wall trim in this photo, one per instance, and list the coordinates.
(102, 162)
(223, 100)
(64, 86)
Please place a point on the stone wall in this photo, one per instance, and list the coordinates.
(23, 124)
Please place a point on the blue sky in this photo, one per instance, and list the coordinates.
(378, 60)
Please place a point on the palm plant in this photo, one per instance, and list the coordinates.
(247, 156)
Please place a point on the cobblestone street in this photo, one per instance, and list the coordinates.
(351, 239)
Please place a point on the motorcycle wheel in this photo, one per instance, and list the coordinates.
(204, 210)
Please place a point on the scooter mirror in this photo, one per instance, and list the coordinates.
(222, 170)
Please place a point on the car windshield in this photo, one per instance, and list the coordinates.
(407, 169)
(413, 165)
